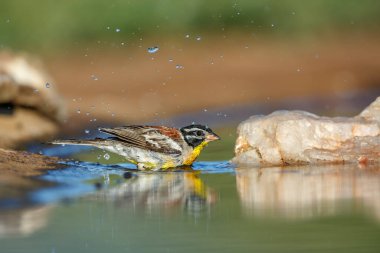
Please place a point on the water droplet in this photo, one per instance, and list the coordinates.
(117, 30)
(106, 156)
(178, 66)
(298, 70)
(153, 50)
(47, 85)
(78, 111)
(35, 90)
(86, 131)
(170, 60)
(99, 156)
(205, 110)
(108, 27)
(198, 38)
(106, 178)
(94, 77)
(272, 25)
(187, 36)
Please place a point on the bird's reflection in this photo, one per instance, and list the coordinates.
(167, 190)
(304, 192)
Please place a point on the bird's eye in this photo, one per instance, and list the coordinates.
(198, 133)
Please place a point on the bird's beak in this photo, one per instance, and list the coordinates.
(212, 137)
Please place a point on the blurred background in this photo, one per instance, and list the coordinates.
(173, 62)
(216, 62)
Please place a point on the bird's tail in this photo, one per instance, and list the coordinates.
(93, 142)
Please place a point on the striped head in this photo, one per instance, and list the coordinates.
(196, 135)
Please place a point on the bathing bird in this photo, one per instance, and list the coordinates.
(153, 147)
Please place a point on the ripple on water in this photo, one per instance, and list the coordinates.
(81, 178)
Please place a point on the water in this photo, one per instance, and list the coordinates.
(214, 207)
(106, 156)
(153, 50)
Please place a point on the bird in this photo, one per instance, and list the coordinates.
(152, 147)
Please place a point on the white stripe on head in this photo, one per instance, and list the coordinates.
(194, 137)
(194, 130)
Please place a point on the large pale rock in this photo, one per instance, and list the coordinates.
(298, 137)
(30, 107)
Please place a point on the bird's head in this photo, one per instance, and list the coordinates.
(195, 135)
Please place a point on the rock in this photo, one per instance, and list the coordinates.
(372, 112)
(298, 137)
(30, 107)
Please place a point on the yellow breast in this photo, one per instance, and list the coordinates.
(194, 154)
(168, 164)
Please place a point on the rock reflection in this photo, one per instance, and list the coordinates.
(305, 192)
(167, 190)
(24, 222)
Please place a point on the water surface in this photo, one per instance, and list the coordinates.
(213, 207)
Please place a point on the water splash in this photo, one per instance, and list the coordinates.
(81, 178)
(153, 50)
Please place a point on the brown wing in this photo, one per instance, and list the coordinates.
(154, 138)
